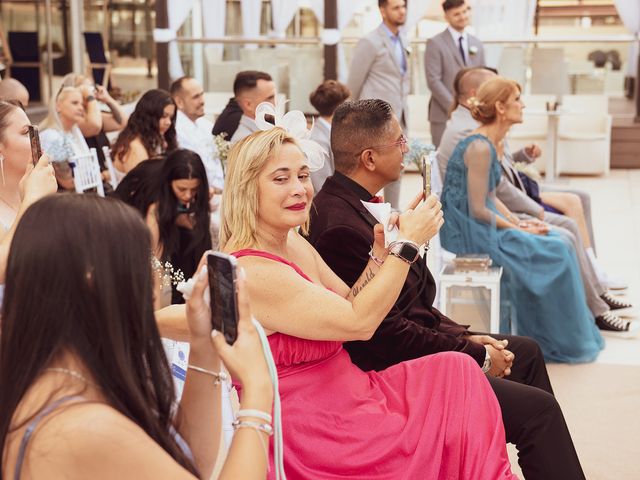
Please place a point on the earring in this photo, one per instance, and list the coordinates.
(2, 168)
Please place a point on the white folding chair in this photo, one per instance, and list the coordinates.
(106, 151)
(86, 173)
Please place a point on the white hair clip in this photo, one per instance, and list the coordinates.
(295, 123)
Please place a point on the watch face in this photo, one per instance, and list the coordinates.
(409, 252)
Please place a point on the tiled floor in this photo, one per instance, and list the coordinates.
(600, 401)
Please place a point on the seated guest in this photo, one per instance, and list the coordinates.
(173, 196)
(102, 115)
(251, 88)
(541, 277)
(60, 135)
(340, 230)
(339, 421)
(22, 183)
(12, 89)
(191, 129)
(325, 99)
(92, 395)
(228, 120)
(516, 200)
(150, 132)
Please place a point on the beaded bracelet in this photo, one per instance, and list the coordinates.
(220, 376)
(376, 260)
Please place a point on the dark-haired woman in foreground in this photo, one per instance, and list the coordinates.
(149, 134)
(541, 277)
(85, 387)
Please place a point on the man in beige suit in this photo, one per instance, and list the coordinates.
(380, 69)
(447, 53)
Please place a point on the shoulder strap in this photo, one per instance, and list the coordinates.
(33, 425)
(250, 252)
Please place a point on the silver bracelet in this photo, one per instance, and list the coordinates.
(254, 414)
(263, 427)
(376, 260)
(220, 376)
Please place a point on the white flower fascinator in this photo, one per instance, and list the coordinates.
(295, 123)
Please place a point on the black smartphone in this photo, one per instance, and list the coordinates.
(224, 295)
(426, 176)
(36, 149)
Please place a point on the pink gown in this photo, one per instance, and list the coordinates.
(434, 417)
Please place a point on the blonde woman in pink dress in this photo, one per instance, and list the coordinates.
(431, 418)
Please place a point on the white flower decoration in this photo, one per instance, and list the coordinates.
(473, 50)
(295, 123)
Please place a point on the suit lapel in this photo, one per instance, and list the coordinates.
(455, 51)
(389, 46)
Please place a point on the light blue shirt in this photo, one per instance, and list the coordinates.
(398, 49)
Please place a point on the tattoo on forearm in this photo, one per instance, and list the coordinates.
(357, 288)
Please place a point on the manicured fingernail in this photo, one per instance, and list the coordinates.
(389, 227)
(214, 333)
(203, 273)
(242, 275)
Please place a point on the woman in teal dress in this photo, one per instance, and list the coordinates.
(541, 277)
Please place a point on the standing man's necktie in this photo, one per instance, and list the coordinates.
(464, 58)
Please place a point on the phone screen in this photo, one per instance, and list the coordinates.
(222, 287)
(426, 176)
(36, 149)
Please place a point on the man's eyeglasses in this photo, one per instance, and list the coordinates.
(402, 143)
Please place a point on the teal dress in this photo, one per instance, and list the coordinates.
(541, 279)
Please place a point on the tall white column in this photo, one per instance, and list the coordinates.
(76, 10)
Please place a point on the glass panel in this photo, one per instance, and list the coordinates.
(470, 306)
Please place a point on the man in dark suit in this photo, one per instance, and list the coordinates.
(366, 153)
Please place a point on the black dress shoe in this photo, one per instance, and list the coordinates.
(612, 323)
(613, 302)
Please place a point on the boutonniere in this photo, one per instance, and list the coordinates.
(473, 50)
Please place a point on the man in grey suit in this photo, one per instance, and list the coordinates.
(380, 69)
(446, 54)
(460, 125)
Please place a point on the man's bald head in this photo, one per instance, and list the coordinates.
(12, 89)
(468, 80)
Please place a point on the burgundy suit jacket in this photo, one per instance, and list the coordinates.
(342, 232)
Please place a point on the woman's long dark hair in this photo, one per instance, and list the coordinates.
(79, 280)
(179, 165)
(143, 124)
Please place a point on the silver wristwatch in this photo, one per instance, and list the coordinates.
(405, 250)
(486, 366)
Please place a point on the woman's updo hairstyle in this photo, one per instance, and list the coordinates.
(483, 105)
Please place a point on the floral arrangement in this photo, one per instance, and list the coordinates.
(473, 50)
(223, 146)
(417, 149)
(166, 272)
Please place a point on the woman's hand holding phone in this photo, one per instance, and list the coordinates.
(38, 181)
(245, 358)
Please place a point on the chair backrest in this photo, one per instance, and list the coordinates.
(86, 173)
(98, 62)
(26, 65)
(106, 152)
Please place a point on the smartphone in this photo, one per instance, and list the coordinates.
(224, 294)
(426, 176)
(36, 149)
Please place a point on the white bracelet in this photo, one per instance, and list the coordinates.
(262, 427)
(220, 376)
(254, 414)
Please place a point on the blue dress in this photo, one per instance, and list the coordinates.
(540, 272)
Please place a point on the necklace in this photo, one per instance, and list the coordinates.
(14, 209)
(71, 373)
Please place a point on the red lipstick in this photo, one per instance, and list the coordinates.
(297, 206)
